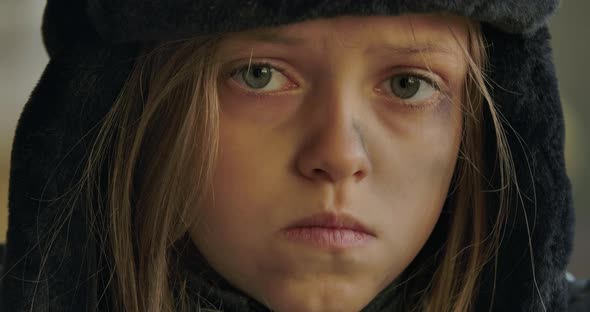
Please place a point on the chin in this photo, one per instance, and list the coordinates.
(316, 305)
(315, 298)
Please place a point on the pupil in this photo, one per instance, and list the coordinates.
(258, 72)
(257, 77)
(404, 83)
(405, 87)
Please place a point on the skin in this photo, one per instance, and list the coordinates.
(330, 135)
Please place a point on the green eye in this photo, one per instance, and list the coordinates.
(405, 86)
(262, 78)
(257, 76)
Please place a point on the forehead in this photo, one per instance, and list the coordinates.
(430, 33)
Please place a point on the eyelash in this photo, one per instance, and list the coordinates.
(239, 68)
(434, 100)
(406, 104)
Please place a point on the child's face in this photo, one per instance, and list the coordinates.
(312, 121)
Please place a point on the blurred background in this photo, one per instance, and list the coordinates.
(23, 58)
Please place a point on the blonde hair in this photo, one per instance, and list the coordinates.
(150, 142)
(478, 181)
(163, 129)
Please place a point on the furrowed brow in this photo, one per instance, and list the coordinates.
(275, 37)
(411, 50)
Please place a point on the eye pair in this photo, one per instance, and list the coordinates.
(266, 78)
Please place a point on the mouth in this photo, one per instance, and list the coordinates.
(329, 231)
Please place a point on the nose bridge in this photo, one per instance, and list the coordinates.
(340, 128)
(335, 148)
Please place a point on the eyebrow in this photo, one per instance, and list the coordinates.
(275, 37)
(422, 48)
(279, 37)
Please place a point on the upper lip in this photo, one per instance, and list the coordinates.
(332, 220)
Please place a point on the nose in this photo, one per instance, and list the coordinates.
(334, 150)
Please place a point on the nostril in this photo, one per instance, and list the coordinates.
(359, 175)
(319, 172)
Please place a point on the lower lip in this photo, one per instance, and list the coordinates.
(331, 238)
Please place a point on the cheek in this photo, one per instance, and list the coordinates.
(267, 111)
(416, 165)
(418, 152)
(246, 179)
(227, 217)
(238, 179)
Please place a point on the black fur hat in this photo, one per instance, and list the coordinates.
(92, 45)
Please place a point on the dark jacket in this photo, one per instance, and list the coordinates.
(92, 45)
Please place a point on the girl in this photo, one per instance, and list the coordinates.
(291, 157)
